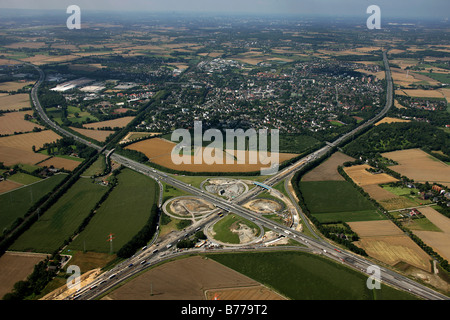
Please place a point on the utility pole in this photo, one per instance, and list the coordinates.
(110, 239)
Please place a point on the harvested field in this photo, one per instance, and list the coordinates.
(11, 156)
(60, 163)
(362, 177)
(420, 93)
(159, 152)
(169, 282)
(420, 166)
(391, 120)
(15, 267)
(116, 123)
(26, 141)
(12, 122)
(384, 241)
(328, 169)
(375, 228)
(15, 102)
(26, 44)
(99, 135)
(14, 85)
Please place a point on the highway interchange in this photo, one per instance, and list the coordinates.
(163, 250)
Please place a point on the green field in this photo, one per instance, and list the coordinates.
(303, 276)
(62, 219)
(332, 201)
(15, 204)
(124, 213)
(223, 232)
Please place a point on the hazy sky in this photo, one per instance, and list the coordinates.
(389, 8)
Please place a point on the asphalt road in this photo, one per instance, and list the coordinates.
(164, 248)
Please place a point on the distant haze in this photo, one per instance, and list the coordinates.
(412, 9)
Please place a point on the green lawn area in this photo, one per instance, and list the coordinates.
(82, 115)
(24, 178)
(15, 204)
(406, 193)
(97, 167)
(303, 276)
(62, 219)
(124, 213)
(223, 232)
(422, 224)
(337, 201)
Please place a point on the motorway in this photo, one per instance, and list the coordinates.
(164, 247)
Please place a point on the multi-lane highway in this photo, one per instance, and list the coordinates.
(163, 250)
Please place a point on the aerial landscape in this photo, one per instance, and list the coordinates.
(194, 151)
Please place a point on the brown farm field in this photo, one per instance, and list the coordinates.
(206, 279)
(60, 163)
(159, 151)
(12, 122)
(362, 177)
(14, 85)
(8, 185)
(384, 241)
(99, 135)
(16, 267)
(120, 123)
(420, 166)
(439, 241)
(11, 156)
(15, 102)
(328, 169)
(391, 120)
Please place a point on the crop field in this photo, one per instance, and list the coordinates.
(60, 163)
(159, 152)
(62, 219)
(16, 267)
(328, 169)
(114, 216)
(13, 122)
(14, 85)
(15, 203)
(26, 141)
(303, 276)
(420, 93)
(15, 102)
(99, 135)
(420, 166)
(391, 120)
(384, 241)
(116, 123)
(8, 185)
(362, 177)
(11, 156)
(337, 200)
(206, 279)
(24, 178)
(439, 241)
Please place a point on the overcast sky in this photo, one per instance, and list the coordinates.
(389, 8)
